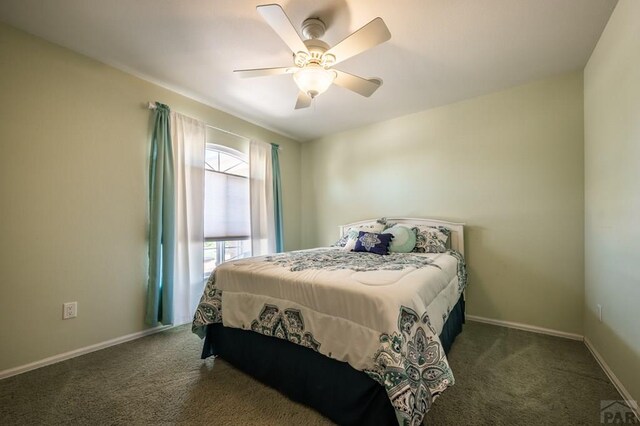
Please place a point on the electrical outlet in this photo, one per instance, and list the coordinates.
(69, 310)
(599, 306)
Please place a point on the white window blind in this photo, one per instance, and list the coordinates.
(226, 212)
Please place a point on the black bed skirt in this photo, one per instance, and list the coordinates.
(333, 388)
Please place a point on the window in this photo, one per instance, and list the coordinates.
(226, 206)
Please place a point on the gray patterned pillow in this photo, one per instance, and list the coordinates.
(431, 239)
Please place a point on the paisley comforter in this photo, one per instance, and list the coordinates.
(381, 314)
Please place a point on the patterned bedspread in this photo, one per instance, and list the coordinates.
(381, 314)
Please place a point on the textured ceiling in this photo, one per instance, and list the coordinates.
(440, 51)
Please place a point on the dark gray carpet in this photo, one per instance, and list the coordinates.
(503, 377)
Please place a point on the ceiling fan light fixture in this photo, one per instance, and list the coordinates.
(314, 59)
(314, 79)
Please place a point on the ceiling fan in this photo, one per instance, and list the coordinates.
(313, 59)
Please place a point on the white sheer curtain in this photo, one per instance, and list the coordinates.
(188, 136)
(263, 234)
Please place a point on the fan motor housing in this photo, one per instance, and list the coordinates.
(317, 49)
(313, 28)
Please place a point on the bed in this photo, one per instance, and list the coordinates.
(360, 337)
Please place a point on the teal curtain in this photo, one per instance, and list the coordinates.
(277, 197)
(162, 221)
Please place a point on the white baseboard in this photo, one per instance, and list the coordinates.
(81, 351)
(614, 379)
(526, 327)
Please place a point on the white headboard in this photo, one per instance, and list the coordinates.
(457, 229)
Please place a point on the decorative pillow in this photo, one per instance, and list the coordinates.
(371, 242)
(353, 232)
(351, 242)
(431, 239)
(404, 239)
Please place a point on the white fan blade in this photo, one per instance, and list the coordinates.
(279, 21)
(304, 100)
(262, 72)
(357, 84)
(372, 34)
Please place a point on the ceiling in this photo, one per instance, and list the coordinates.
(440, 51)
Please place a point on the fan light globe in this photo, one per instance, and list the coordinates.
(313, 79)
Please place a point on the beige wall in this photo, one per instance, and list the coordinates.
(74, 140)
(508, 164)
(612, 195)
(73, 191)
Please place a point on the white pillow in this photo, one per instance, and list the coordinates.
(350, 244)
